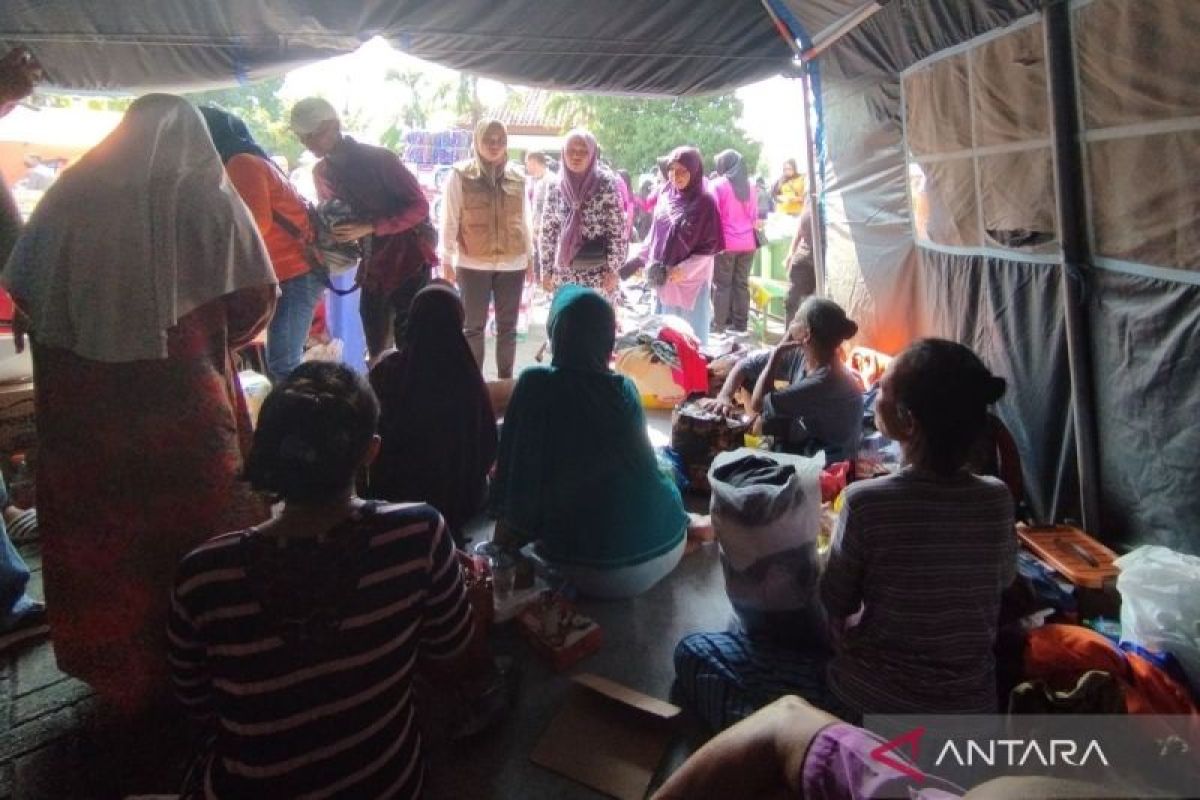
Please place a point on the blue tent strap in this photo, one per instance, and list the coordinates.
(799, 34)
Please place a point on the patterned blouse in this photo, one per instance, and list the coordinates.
(603, 218)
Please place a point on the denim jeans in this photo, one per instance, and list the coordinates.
(288, 332)
(14, 574)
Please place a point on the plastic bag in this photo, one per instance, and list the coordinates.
(1160, 604)
(766, 521)
(328, 351)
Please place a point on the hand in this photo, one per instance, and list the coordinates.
(19, 73)
(352, 231)
(720, 405)
(529, 274)
(611, 282)
(762, 756)
(786, 346)
(448, 271)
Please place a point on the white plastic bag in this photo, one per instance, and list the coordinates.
(329, 351)
(1160, 604)
(768, 537)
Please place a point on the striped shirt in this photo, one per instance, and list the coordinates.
(317, 702)
(926, 559)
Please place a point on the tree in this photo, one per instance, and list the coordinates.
(260, 107)
(633, 132)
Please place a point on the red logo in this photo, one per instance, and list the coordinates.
(904, 763)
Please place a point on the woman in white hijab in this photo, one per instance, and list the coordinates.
(139, 274)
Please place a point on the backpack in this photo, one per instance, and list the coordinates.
(325, 255)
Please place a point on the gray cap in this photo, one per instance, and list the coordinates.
(309, 113)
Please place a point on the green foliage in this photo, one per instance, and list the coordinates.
(259, 106)
(633, 131)
(92, 102)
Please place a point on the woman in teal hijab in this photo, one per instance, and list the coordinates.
(576, 470)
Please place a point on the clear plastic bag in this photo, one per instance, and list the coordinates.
(1160, 604)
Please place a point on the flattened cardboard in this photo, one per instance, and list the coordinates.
(608, 737)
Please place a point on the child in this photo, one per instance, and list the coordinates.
(297, 640)
(923, 555)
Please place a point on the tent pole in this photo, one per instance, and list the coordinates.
(1068, 169)
(818, 249)
(830, 36)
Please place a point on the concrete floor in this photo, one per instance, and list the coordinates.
(54, 744)
(639, 639)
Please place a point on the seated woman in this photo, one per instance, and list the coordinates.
(436, 418)
(576, 470)
(821, 406)
(921, 557)
(296, 641)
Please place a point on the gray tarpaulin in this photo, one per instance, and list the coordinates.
(664, 47)
(957, 234)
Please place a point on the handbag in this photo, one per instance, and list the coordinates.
(325, 255)
(657, 274)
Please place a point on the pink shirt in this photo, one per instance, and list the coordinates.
(737, 217)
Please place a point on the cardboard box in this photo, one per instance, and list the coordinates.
(608, 737)
(557, 632)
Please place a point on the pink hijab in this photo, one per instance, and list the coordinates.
(576, 189)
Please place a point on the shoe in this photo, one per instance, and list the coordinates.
(25, 623)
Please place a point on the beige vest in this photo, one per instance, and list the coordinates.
(492, 225)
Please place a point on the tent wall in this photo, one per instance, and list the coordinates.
(942, 220)
(1139, 92)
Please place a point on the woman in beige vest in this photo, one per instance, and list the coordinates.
(485, 242)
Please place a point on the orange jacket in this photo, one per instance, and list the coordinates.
(265, 190)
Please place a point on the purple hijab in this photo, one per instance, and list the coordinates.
(576, 189)
(686, 223)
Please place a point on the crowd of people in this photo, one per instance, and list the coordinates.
(294, 637)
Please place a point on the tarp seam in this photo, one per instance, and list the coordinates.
(1147, 270)
(971, 44)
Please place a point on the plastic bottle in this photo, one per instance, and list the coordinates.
(21, 490)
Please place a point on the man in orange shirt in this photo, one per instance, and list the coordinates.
(282, 219)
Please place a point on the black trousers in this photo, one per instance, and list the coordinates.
(385, 314)
(802, 282)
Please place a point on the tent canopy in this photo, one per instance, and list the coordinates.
(654, 47)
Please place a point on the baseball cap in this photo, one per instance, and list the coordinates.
(309, 113)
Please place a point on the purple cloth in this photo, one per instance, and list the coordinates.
(576, 189)
(839, 766)
(686, 223)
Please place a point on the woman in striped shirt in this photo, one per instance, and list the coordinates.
(920, 558)
(295, 642)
